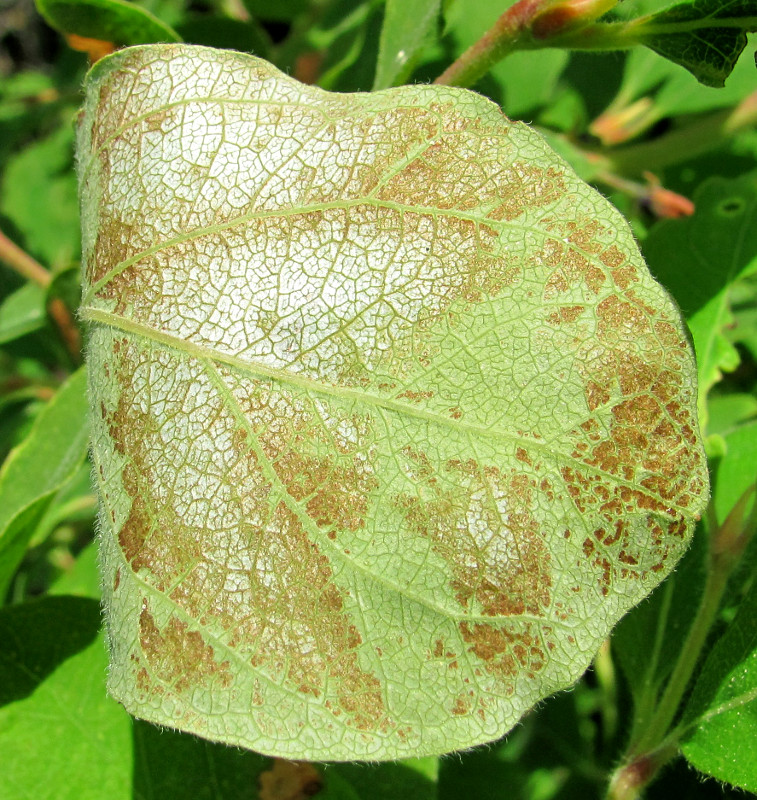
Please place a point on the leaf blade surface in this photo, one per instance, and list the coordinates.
(369, 374)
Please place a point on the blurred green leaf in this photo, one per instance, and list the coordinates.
(38, 195)
(408, 25)
(61, 737)
(83, 579)
(737, 469)
(654, 88)
(718, 245)
(345, 39)
(727, 411)
(224, 32)
(48, 457)
(722, 710)
(21, 312)
(704, 36)
(117, 21)
(276, 10)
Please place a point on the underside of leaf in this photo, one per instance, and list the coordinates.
(391, 424)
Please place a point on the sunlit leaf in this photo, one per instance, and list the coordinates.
(22, 312)
(391, 423)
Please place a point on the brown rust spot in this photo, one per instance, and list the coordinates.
(505, 651)
(284, 614)
(179, 656)
(504, 568)
(116, 241)
(565, 314)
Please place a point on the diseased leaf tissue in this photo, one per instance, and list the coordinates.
(391, 423)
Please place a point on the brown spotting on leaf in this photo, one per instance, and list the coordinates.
(178, 656)
(315, 646)
(565, 314)
(505, 572)
(289, 780)
(462, 705)
(115, 242)
(505, 652)
(286, 616)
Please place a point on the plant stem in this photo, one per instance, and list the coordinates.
(502, 38)
(20, 261)
(61, 316)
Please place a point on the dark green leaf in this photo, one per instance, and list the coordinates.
(176, 766)
(275, 10)
(114, 21)
(699, 258)
(722, 711)
(48, 457)
(61, 737)
(22, 312)
(408, 24)
(412, 778)
(705, 36)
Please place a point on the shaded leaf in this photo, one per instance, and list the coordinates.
(722, 711)
(705, 36)
(62, 738)
(169, 765)
(719, 245)
(414, 778)
(400, 490)
(408, 24)
(22, 312)
(116, 21)
(39, 466)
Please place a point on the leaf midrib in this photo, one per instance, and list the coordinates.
(257, 369)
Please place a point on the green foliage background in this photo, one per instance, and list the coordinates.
(60, 736)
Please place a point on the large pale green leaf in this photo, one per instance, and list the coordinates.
(391, 424)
